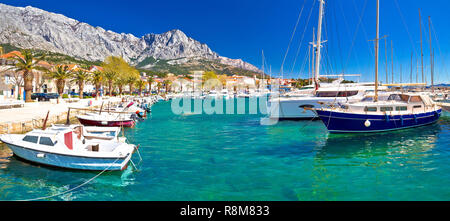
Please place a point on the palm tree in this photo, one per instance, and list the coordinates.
(167, 84)
(150, 81)
(130, 81)
(80, 77)
(97, 79)
(120, 82)
(158, 86)
(140, 84)
(61, 73)
(26, 64)
(110, 76)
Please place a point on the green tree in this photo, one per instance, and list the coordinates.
(26, 64)
(60, 73)
(80, 77)
(97, 79)
(167, 84)
(140, 84)
(120, 81)
(150, 81)
(117, 67)
(131, 80)
(210, 80)
(110, 76)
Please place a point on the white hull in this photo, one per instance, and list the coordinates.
(293, 108)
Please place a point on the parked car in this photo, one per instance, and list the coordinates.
(89, 94)
(44, 96)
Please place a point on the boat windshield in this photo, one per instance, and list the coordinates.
(398, 97)
(336, 93)
(370, 98)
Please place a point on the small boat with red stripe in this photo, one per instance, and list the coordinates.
(66, 147)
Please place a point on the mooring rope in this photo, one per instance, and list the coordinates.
(72, 189)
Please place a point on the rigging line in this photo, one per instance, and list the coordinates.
(338, 41)
(406, 27)
(303, 35)
(439, 47)
(349, 37)
(354, 36)
(292, 36)
(372, 54)
(304, 62)
(329, 62)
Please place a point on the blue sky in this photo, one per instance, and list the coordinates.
(242, 29)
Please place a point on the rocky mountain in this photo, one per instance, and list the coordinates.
(29, 27)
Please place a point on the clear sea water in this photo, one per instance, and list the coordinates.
(233, 157)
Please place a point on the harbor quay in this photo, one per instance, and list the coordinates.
(32, 115)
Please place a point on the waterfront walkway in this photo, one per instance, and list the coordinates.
(25, 118)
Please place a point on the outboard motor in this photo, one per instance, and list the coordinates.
(136, 117)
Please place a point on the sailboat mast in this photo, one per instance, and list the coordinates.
(410, 75)
(431, 55)
(392, 60)
(421, 44)
(319, 42)
(385, 53)
(432, 71)
(309, 62)
(376, 51)
(313, 54)
(262, 77)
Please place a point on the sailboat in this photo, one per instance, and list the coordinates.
(298, 106)
(397, 111)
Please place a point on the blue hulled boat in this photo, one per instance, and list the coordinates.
(398, 111)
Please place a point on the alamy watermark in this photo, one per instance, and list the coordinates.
(208, 97)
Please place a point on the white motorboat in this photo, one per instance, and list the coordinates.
(93, 133)
(64, 147)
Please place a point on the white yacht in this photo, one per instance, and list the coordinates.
(293, 108)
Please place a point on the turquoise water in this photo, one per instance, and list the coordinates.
(233, 157)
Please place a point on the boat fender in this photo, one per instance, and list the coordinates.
(401, 119)
(415, 118)
(40, 155)
(387, 117)
(367, 123)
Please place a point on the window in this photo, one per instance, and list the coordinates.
(31, 139)
(347, 93)
(327, 94)
(401, 108)
(367, 99)
(394, 97)
(306, 106)
(398, 97)
(46, 141)
(417, 106)
(404, 98)
(384, 109)
(415, 99)
(370, 109)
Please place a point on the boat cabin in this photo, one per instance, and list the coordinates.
(391, 103)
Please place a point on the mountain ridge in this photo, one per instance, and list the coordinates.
(30, 27)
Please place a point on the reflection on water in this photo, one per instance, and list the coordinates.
(233, 157)
(21, 180)
(409, 142)
(5, 155)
